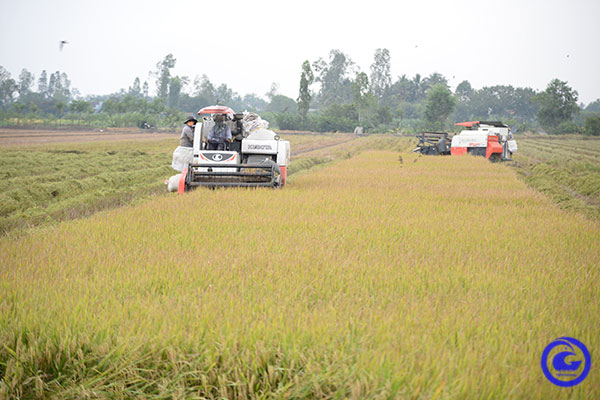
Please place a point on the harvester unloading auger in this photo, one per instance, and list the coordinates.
(255, 157)
(490, 139)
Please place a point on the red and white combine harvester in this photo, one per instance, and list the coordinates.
(490, 139)
(255, 157)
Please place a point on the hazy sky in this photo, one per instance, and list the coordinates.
(250, 44)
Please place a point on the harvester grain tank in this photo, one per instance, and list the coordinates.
(491, 139)
(254, 158)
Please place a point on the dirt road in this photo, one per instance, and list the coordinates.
(23, 137)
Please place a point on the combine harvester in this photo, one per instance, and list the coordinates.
(254, 158)
(490, 139)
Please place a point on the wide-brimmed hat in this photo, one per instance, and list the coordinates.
(190, 118)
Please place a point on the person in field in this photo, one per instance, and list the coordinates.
(187, 134)
(219, 134)
(184, 153)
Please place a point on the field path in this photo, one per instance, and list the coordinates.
(314, 146)
(377, 276)
(24, 137)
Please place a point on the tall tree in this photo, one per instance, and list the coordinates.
(464, 91)
(43, 84)
(305, 96)
(440, 103)
(145, 89)
(399, 91)
(52, 82)
(204, 88)
(163, 75)
(252, 102)
(8, 87)
(175, 85)
(59, 86)
(521, 104)
(224, 95)
(65, 85)
(407, 90)
(463, 94)
(558, 104)
(26, 79)
(418, 88)
(594, 106)
(135, 90)
(362, 94)
(381, 77)
(273, 91)
(333, 77)
(434, 79)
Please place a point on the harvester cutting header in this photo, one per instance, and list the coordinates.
(230, 149)
(490, 139)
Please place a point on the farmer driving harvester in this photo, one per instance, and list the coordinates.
(220, 134)
(230, 150)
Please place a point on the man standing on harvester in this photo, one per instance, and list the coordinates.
(184, 153)
(187, 134)
(229, 150)
(219, 134)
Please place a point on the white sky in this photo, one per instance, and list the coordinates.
(250, 44)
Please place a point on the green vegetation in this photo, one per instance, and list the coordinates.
(592, 125)
(440, 104)
(565, 168)
(304, 96)
(558, 105)
(434, 277)
(334, 95)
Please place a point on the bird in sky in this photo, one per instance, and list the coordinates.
(61, 44)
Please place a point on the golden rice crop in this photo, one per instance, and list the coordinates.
(47, 183)
(370, 278)
(564, 168)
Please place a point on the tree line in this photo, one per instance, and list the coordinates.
(380, 103)
(333, 95)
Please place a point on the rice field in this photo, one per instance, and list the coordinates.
(564, 168)
(305, 143)
(47, 183)
(51, 182)
(379, 275)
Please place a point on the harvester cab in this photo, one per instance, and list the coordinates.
(252, 159)
(491, 139)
